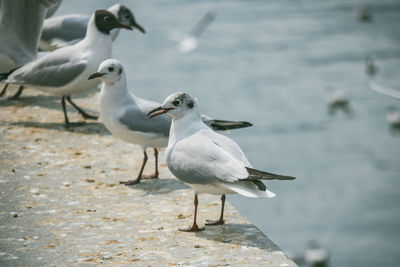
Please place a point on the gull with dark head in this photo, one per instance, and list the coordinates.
(64, 71)
(207, 161)
(125, 115)
(69, 29)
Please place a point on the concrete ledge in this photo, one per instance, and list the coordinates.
(61, 203)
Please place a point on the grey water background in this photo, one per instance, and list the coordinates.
(269, 62)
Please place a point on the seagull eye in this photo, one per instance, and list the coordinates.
(110, 69)
(107, 18)
(176, 103)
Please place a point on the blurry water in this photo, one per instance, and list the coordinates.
(269, 62)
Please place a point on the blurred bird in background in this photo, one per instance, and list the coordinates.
(190, 41)
(20, 26)
(70, 29)
(337, 100)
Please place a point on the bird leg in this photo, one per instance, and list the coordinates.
(137, 180)
(155, 174)
(81, 111)
(65, 111)
(4, 90)
(221, 218)
(18, 93)
(195, 227)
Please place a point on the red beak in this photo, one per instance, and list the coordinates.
(160, 111)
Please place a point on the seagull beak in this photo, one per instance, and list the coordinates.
(120, 25)
(160, 111)
(95, 75)
(137, 26)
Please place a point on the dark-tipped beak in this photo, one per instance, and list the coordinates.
(95, 75)
(137, 26)
(120, 25)
(160, 111)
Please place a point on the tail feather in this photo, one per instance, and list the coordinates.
(256, 174)
(249, 189)
(222, 125)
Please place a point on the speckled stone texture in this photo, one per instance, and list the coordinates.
(62, 204)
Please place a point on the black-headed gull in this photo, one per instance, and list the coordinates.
(69, 29)
(64, 71)
(209, 162)
(125, 115)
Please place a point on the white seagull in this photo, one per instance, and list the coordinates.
(69, 29)
(337, 99)
(64, 71)
(189, 42)
(209, 162)
(125, 115)
(20, 25)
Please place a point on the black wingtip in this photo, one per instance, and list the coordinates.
(256, 174)
(221, 125)
(5, 75)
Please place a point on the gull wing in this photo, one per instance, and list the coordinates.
(203, 159)
(384, 90)
(135, 119)
(53, 70)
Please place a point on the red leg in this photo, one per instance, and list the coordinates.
(155, 175)
(221, 218)
(137, 180)
(195, 227)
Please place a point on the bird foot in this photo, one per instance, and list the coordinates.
(152, 176)
(130, 182)
(218, 222)
(194, 228)
(88, 116)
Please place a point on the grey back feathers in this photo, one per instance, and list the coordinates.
(159, 125)
(51, 71)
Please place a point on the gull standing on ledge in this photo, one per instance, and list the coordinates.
(64, 71)
(209, 162)
(69, 29)
(125, 115)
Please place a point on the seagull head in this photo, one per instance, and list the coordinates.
(177, 106)
(125, 16)
(105, 21)
(110, 71)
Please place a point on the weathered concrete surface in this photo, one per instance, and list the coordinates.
(62, 205)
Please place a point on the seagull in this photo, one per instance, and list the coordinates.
(189, 42)
(20, 25)
(315, 255)
(69, 29)
(209, 162)
(371, 69)
(125, 115)
(364, 14)
(64, 71)
(337, 100)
